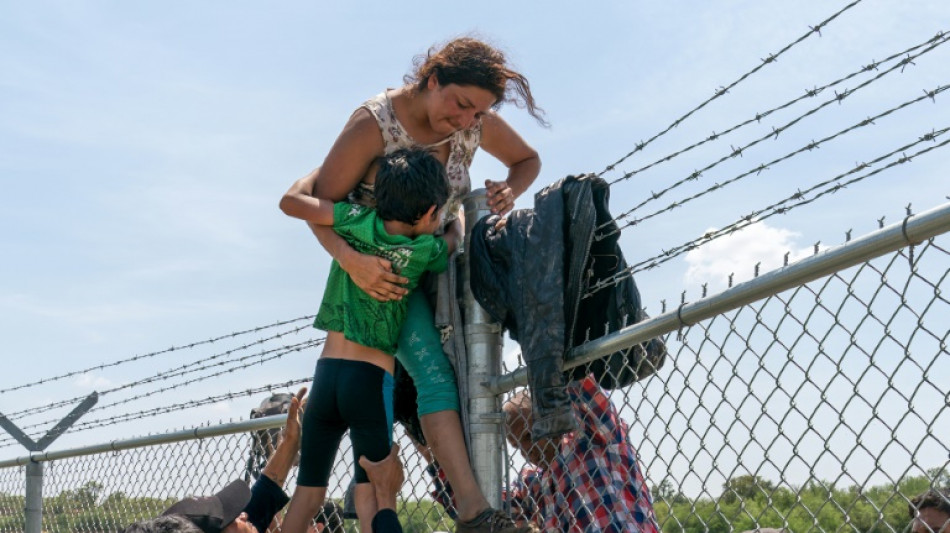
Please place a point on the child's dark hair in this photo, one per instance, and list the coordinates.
(409, 182)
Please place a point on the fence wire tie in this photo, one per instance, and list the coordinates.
(910, 243)
(679, 317)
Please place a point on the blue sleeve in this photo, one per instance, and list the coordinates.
(267, 499)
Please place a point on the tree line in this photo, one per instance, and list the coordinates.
(748, 502)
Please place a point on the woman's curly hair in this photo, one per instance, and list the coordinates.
(469, 61)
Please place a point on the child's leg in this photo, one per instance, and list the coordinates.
(420, 352)
(365, 499)
(366, 399)
(323, 428)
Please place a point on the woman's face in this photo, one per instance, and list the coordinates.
(456, 107)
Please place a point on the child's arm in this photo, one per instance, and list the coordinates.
(299, 202)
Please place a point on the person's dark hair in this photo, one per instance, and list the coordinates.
(172, 523)
(469, 61)
(409, 182)
(936, 498)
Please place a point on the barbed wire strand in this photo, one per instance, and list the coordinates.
(147, 413)
(928, 95)
(153, 354)
(277, 353)
(809, 93)
(723, 90)
(167, 374)
(187, 405)
(776, 209)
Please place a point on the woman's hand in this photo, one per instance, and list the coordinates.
(501, 199)
(524, 165)
(374, 275)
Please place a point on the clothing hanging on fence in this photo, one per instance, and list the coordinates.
(535, 275)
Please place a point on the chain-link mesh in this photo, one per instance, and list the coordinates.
(106, 492)
(821, 408)
(12, 500)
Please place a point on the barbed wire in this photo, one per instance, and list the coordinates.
(168, 374)
(809, 93)
(147, 413)
(723, 90)
(777, 208)
(931, 95)
(277, 353)
(153, 354)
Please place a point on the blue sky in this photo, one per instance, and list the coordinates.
(144, 148)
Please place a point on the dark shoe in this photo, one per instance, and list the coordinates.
(492, 521)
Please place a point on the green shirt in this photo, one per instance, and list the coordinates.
(345, 307)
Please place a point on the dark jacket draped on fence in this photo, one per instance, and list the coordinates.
(535, 276)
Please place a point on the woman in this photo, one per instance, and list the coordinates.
(446, 106)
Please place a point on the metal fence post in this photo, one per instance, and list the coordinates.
(34, 469)
(483, 345)
(34, 497)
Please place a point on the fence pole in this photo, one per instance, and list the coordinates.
(34, 469)
(34, 497)
(483, 345)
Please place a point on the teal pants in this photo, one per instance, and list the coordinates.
(420, 352)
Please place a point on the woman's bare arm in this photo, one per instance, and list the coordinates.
(299, 202)
(346, 165)
(503, 142)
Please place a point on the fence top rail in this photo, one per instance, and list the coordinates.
(914, 229)
(243, 426)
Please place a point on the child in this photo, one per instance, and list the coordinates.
(352, 384)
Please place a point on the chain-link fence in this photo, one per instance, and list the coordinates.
(823, 407)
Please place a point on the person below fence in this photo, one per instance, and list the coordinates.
(587, 481)
(235, 508)
(930, 512)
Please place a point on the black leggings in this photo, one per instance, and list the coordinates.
(345, 395)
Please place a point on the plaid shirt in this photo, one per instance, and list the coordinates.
(593, 485)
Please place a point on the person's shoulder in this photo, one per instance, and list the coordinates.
(363, 120)
(491, 122)
(350, 210)
(351, 215)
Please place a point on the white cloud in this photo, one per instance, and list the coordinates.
(91, 381)
(739, 252)
(220, 407)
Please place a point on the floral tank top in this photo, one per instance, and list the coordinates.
(462, 147)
